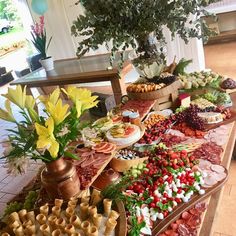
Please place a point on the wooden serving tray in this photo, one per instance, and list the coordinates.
(121, 228)
(225, 122)
(162, 225)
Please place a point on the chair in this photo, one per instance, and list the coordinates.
(33, 62)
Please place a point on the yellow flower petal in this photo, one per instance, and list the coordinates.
(29, 102)
(58, 111)
(78, 106)
(46, 137)
(50, 125)
(17, 96)
(7, 114)
(54, 96)
(54, 148)
(41, 130)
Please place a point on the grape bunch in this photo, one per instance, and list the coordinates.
(190, 116)
(228, 84)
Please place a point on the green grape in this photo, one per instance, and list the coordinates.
(30, 200)
(12, 207)
(180, 109)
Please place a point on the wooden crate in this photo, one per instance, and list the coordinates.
(168, 101)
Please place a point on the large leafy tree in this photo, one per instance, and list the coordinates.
(130, 22)
(8, 10)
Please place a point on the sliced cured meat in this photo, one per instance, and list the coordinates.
(110, 150)
(101, 156)
(86, 154)
(174, 226)
(171, 233)
(183, 230)
(210, 180)
(88, 162)
(220, 176)
(186, 215)
(179, 222)
(101, 146)
(204, 164)
(201, 206)
(194, 211)
(218, 168)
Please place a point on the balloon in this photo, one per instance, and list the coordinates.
(39, 6)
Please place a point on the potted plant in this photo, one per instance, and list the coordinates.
(139, 24)
(40, 42)
(46, 138)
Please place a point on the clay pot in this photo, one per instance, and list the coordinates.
(60, 179)
(107, 177)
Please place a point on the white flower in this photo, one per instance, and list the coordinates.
(6, 144)
(63, 131)
(17, 165)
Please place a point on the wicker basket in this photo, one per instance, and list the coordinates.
(156, 94)
(124, 165)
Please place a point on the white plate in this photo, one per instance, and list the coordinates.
(166, 113)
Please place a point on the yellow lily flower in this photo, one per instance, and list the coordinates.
(16, 96)
(52, 98)
(78, 106)
(89, 103)
(46, 137)
(7, 114)
(29, 102)
(71, 92)
(83, 95)
(58, 111)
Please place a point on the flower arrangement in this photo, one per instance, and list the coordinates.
(40, 37)
(43, 137)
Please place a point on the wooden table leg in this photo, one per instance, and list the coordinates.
(118, 83)
(118, 88)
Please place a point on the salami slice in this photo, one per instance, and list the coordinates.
(186, 215)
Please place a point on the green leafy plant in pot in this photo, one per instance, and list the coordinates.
(139, 24)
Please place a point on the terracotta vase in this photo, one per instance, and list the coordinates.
(60, 179)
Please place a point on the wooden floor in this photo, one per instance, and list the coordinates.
(221, 58)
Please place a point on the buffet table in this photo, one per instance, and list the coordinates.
(165, 165)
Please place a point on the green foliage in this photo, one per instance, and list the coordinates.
(180, 68)
(30, 200)
(8, 10)
(12, 207)
(129, 23)
(28, 204)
